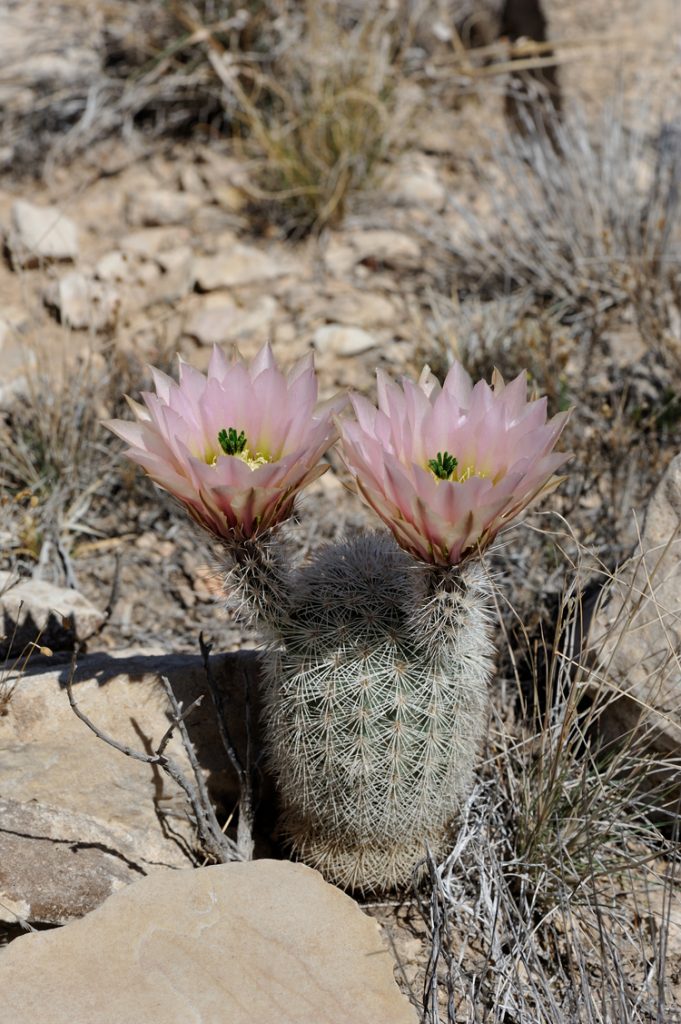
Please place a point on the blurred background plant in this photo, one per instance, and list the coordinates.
(59, 470)
(588, 217)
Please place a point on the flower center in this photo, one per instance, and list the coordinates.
(443, 466)
(446, 467)
(233, 443)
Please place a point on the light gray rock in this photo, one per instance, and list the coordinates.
(84, 303)
(392, 248)
(360, 309)
(35, 608)
(342, 340)
(80, 819)
(227, 322)
(56, 865)
(151, 242)
(636, 636)
(160, 207)
(241, 265)
(126, 267)
(241, 943)
(40, 233)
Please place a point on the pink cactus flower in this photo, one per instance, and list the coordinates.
(447, 467)
(235, 446)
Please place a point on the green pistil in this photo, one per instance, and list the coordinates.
(231, 442)
(443, 466)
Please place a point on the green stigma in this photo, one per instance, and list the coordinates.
(443, 466)
(231, 442)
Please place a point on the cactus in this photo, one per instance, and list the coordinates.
(377, 657)
(376, 677)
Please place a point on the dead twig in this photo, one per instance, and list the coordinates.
(244, 834)
(219, 846)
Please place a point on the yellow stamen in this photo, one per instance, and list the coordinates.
(253, 461)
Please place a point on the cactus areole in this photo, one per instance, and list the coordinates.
(378, 651)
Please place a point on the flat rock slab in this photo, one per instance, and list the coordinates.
(83, 303)
(56, 865)
(78, 819)
(241, 265)
(37, 611)
(41, 233)
(253, 943)
(342, 340)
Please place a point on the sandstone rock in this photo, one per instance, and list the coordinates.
(177, 260)
(177, 279)
(32, 608)
(636, 635)
(227, 322)
(160, 207)
(360, 309)
(126, 267)
(40, 233)
(342, 340)
(56, 865)
(392, 248)
(243, 264)
(83, 303)
(70, 790)
(152, 241)
(245, 943)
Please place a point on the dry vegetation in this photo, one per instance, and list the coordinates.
(555, 903)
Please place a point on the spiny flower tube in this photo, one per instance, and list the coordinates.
(447, 467)
(235, 446)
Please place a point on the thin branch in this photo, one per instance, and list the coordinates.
(245, 824)
(218, 845)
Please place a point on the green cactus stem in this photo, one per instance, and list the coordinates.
(376, 684)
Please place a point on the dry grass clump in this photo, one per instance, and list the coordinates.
(588, 219)
(554, 904)
(59, 463)
(319, 110)
(309, 88)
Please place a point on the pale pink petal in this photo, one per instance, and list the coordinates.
(459, 385)
(219, 363)
(264, 360)
(176, 440)
(503, 445)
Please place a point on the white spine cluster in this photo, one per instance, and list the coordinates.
(376, 702)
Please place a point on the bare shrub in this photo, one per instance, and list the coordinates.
(586, 219)
(319, 111)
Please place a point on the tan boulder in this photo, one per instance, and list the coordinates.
(64, 788)
(40, 233)
(238, 943)
(32, 609)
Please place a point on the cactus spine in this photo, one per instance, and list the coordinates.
(376, 678)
